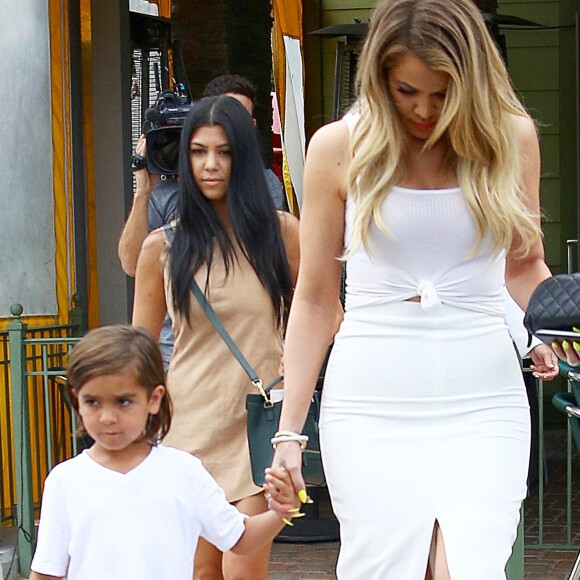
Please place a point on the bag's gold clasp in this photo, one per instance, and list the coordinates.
(260, 386)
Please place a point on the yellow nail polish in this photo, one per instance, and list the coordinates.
(294, 510)
(300, 515)
(576, 346)
(303, 496)
(575, 329)
(566, 345)
(287, 522)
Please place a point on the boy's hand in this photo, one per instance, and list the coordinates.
(280, 493)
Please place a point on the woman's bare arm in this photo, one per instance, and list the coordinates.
(149, 307)
(523, 274)
(290, 230)
(312, 321)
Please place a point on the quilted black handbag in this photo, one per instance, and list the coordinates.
(554, 304)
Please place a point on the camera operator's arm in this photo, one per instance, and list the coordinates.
(137, 227)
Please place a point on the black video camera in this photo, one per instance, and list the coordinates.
(162, 128)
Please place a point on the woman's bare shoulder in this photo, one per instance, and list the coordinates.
(155, 244)
(327, 161)
(332, 138)
(525, 128)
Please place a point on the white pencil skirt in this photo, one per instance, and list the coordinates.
(424, 419)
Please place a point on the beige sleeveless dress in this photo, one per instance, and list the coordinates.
(207, 384)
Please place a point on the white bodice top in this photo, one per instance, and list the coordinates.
(428, 253)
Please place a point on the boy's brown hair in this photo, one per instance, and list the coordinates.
(109, 350)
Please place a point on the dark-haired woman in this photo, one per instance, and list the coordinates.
(244, 256)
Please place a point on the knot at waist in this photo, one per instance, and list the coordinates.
(429, 297)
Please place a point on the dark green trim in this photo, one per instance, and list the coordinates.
(79, 191)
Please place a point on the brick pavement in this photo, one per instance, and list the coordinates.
(554, 564)
(317, 560)
(548, 564)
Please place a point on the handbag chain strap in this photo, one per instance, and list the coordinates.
(213, 318)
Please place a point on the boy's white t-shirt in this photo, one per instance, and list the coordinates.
(100, 524)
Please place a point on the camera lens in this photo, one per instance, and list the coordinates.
(163, 150)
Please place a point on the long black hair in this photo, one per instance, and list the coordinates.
(253, 217)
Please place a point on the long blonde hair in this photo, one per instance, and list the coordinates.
(476, 121)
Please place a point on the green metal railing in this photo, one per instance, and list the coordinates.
(34, 361)
(7, 497)
(43, 424)
(549, 497)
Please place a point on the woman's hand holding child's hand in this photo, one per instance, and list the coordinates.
(281, 495)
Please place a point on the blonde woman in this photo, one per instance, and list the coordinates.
(429, 191)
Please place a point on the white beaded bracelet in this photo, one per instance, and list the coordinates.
(301, 439)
